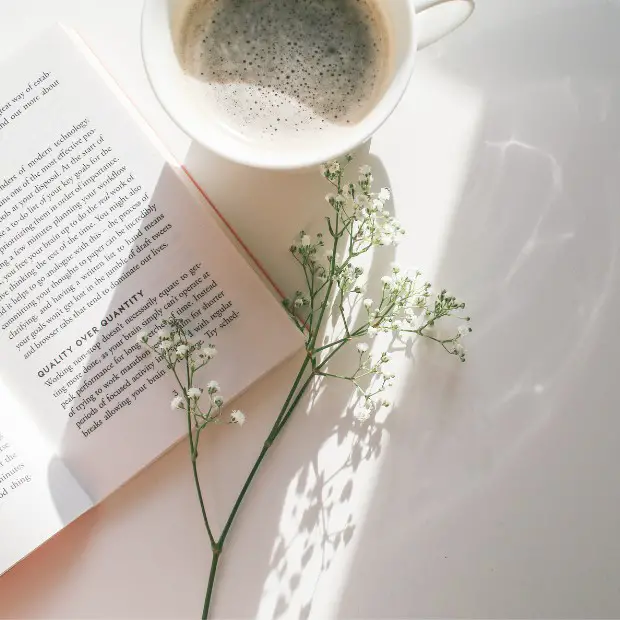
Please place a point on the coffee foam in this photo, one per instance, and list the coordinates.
(284, 67)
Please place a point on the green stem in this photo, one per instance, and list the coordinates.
(329, 374)
(244, 490)
(325, 303)
(311, 309)
(300, 374)
(344, 318)
(332, 344)
(214, 560)
(219, 545)
(193, 447)
(316, 371)
(267, 445)
(275, 431)
(194, 454)
(294, 396)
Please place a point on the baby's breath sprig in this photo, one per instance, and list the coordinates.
(405, 306)
(333, 276)
(183, 356)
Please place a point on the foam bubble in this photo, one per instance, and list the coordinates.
(286, 66)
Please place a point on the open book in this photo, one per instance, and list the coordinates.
(101, 237)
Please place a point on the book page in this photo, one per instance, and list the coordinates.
(101, 238)
(38, 496)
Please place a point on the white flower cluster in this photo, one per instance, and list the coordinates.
(306, 252)
(333, 169)
(405, 306)
(173, 345)
(372, 223)
(362, 215)
(362, 210)
(404, 296)
(348, 276)
(378, 379)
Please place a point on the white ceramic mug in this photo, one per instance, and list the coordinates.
(161, 19)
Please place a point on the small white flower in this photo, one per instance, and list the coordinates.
(213, 387)
(177, 403)
(463, 330)
(330, 197)
(372, 331)
(384, 194)
(163, 333)
(142, 337)
(362, 347)
(165, 345)
(298, 302)
(237, 417)
(334, 167)
(387, 281)
(218, 401)
(362, 201)
(339, 199)
(209, 352)
(194, 392)
(459, 349)
(365, 169)
(305, 240)
(368, 303)
(396, 268)
(182, 350)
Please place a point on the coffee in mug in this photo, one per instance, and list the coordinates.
(277, 70)
(194, 53)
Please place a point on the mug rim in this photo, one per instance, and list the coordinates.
(391, 98)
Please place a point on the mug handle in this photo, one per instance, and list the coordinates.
(442, 21)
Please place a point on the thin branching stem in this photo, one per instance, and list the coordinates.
(358, 224)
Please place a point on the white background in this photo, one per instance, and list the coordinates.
(492, 488)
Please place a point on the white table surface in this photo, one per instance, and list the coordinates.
(492, 488)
